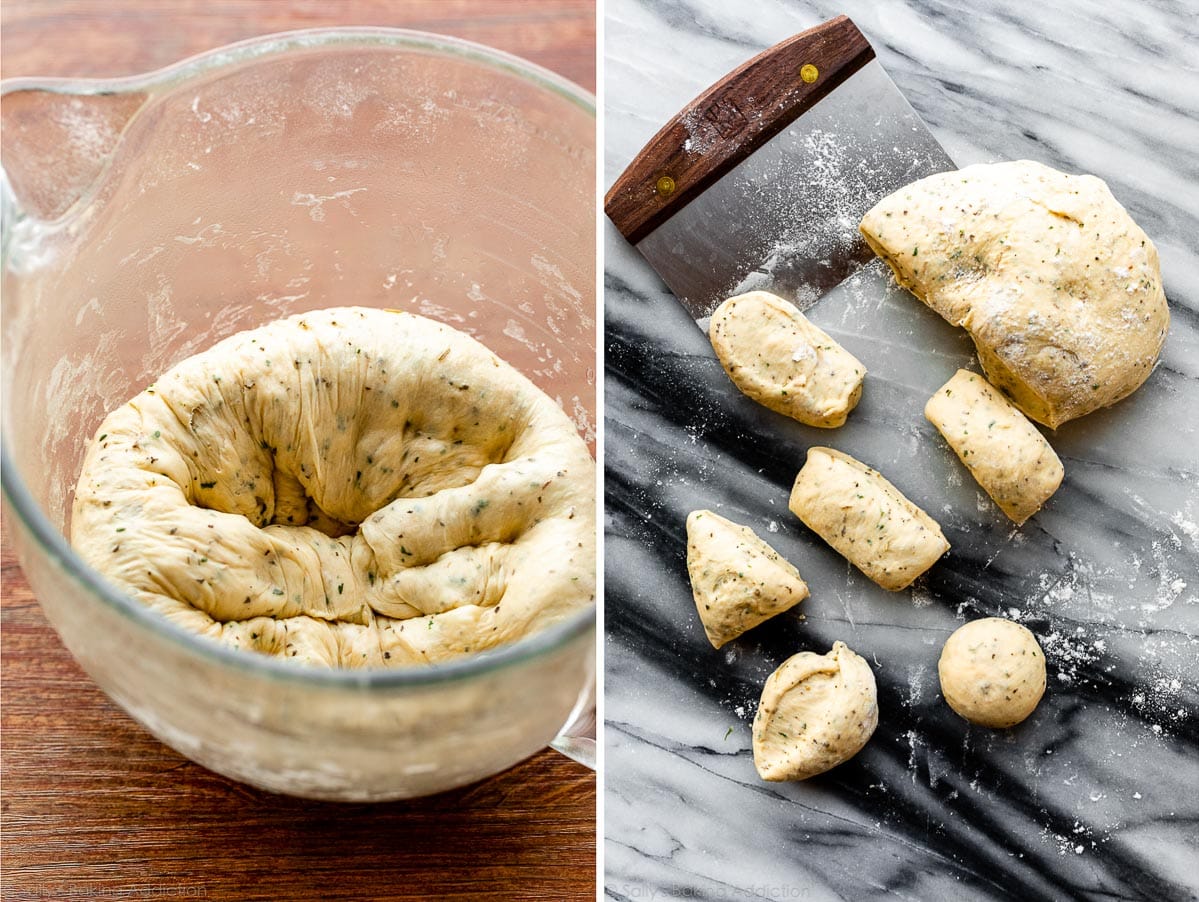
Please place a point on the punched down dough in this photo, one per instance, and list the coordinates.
(869, 521)
(817, 711)
(1004, 452)
(1059, 288)
(776, 356)
(992, 672)
(344, 488)
(738, 581)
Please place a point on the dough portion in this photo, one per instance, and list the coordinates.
(865, 518)
(344, 488)
(1059, 288)
(992, 672)
(817, 711)
(738, 581)
(1003, 451)
(776, 356)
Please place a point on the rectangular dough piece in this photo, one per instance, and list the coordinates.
(1003, 451)
(776, 356)
(869, 521)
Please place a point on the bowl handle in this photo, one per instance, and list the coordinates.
(576, 739)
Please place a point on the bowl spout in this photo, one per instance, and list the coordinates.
(56, 143)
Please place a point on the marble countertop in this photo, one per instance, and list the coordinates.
(1095, 796)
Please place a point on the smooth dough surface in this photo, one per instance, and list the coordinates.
(817, 711)
(1059, 288)
(737, 580)
(1004, 452)
(992, 672)
(776, 356)
(349, 487)
(864, 517)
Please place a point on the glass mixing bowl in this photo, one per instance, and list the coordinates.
(146, 218)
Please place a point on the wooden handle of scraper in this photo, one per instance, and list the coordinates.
(731, 120)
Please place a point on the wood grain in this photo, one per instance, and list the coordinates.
(102, 38)
(729, 121)
(94, 807)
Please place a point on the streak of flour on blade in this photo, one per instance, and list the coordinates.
(813, 204)
(831, 194)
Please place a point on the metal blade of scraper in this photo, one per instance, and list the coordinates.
(761, 181)
(786, 219)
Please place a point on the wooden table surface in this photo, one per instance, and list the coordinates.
(92, 806)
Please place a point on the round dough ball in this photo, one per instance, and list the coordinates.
(344, 488)
(817, 711)
(1059, 288)
(992, 672)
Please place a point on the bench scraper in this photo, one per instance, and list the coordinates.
(761, 181)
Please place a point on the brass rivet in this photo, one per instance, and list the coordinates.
(808, 73)
(666, 186)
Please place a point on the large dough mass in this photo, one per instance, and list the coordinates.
(348, 487)
(1059, 288)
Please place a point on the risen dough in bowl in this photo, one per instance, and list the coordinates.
(1059, 288)
(345, 488)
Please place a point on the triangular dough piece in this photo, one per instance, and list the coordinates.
(737, 579)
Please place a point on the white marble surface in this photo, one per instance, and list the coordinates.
(1097, 795)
